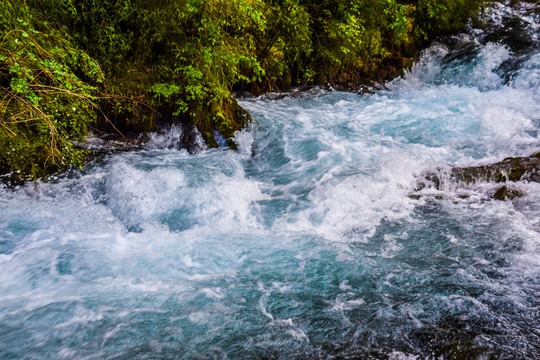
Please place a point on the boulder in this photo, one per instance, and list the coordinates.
(506, 171)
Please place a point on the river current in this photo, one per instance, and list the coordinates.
(306, 242)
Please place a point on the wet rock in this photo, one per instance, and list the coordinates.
(108, 144)
(507, 193)
(191, 137)
(365, 90)
(513, 35)
(235, 118)
(241, 116)
(188, 137)
(508, 170)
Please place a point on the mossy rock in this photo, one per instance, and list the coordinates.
(235, 118)
(507, 193)
(509, 170)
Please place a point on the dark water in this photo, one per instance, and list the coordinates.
(305, 243)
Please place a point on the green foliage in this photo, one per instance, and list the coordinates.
(180, 57)
(437, 17)
(355, 35)
(43, 103)
(284, 46)
(138, 60)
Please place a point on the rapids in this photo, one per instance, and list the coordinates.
(304, 243)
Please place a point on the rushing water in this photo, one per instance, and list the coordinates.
(306, 242)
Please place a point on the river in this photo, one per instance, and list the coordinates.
(306, 242)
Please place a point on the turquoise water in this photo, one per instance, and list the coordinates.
(305, 242)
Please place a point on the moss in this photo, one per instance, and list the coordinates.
(507, 193)
(209, 139)
(24, 158)
(237, 119)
